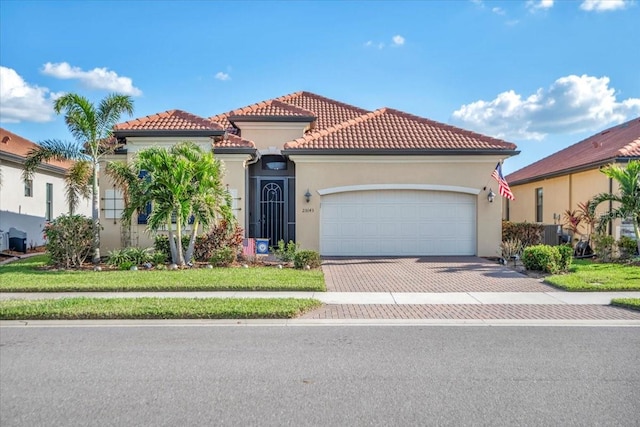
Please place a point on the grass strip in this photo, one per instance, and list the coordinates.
(27, 275)
(632, 303)
(155, 308)
(587, 276)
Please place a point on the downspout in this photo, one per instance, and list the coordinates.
(247, 208)
(610, 205)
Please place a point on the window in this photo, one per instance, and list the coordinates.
(113, 204)
(507, 212)
(28, 188)
(49, 207)
(538, 204)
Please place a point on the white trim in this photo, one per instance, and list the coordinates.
(422, 187)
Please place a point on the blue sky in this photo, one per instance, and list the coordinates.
(541, 74)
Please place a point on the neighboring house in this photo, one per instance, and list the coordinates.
(547, 188)
(336, 178)
(27, 206)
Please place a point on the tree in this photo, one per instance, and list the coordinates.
(627, 201)
(91, 126)
(183, 184)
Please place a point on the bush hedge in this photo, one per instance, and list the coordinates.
(526, 232)
(542, 258)
(306, 257)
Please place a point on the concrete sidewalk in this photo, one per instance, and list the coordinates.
(386, 298)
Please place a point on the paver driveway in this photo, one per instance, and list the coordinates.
(425, 274)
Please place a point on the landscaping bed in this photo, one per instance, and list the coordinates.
(32, 275)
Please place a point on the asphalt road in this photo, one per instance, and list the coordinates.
(319, 375)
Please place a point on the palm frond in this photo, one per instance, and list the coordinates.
(51, 149)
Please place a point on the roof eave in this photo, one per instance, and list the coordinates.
(397, 152)
(167, 132)
(575, 169)
(256, 118)
(42, 166)
(234, 150)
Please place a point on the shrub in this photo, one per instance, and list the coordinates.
(161, 243)
(126, 265)
(69, 240)
(509, 248)
(117, 257)
(528, 233)
(138, 256)
(627, 246)
(603, 247)
(566, 257)
(285, 253)
(223, 257)
(542, 258)
(306, 257)
(222, 235)
(159, 257)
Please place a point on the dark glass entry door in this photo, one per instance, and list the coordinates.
(272, 203)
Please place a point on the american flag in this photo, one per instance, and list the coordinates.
(503, 186)
(248, 247)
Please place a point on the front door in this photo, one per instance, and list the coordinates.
(271, 222)
(272, 199)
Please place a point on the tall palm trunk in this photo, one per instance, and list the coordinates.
(95, 214)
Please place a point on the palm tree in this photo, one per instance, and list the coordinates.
(628, 199)
(182, 183)
(91, 127)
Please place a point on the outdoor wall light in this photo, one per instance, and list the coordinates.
(491, 196)
(307, 196)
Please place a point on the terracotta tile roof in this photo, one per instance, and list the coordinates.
(327, 112)
(169, 120)
(19, 146)
(234, 141)
(389, 129)
(619, 141)
(179, 120)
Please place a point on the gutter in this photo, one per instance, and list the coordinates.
(395, 152)
(291, 119)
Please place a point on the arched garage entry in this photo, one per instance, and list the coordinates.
(398, 220)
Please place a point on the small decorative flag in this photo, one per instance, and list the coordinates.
(503, 186)
(248, 247)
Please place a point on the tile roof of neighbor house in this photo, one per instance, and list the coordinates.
(19, 146)
(169, 120)
(389, 129)
(179, 120)
(327, 112)
(621, 141)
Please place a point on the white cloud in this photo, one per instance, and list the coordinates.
(98, 78)
(222, 76)
(603, 5)
(21, 101)
(398, 40)
(369, 43)
(534, 5)
(571, 104)
(498, 11)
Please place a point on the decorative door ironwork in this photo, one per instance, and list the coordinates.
(272, 210)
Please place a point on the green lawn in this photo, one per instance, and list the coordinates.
(632, 303)
(585, 275)
(155, 308)
(27, 276)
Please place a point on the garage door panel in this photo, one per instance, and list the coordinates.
(398, 222)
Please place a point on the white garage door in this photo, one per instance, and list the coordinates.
(397, 222)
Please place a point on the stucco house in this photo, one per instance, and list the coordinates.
(335, 178)
(27, 206)
(547, 188)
